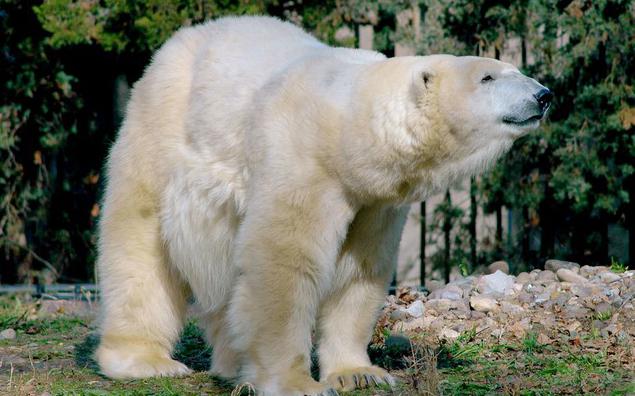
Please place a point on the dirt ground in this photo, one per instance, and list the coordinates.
(53, 344)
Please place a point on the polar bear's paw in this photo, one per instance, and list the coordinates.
(360, 377)
(121, 364)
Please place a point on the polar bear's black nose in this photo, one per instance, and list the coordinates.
(544, 97)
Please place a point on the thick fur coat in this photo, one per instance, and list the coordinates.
(266, 175)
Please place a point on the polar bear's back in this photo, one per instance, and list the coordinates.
(237, 58)
(197, 94)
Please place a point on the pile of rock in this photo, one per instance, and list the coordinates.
(563, 296)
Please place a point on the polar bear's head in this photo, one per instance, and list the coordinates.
(437, 119)
(484, 98)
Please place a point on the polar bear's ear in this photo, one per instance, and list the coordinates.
(421, 85)
(426, 78)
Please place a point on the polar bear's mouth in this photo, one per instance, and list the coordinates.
(526, 122)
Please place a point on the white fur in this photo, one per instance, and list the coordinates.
(264, 172)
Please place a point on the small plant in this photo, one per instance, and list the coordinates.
(530, 343)
(422, 373)
(604, 315)
(617, 267)
(463, 268)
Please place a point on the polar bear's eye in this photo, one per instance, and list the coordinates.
(487, 78)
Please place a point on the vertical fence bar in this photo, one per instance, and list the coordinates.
(473, 213)
(447, 228)
(422, 245)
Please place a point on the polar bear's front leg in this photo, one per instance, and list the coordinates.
(348, 316)
(285, 252)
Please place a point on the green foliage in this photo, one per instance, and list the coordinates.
(119, 25)
(575, 175)
(617, 267)
(564, 183)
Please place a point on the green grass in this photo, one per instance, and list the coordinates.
(56, 356)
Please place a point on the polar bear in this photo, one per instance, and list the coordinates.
(267, 176)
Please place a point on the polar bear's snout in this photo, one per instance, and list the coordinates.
(524, 102)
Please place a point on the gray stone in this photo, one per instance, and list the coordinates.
(510, 308)
(66, 307)
(7, 334)
(450, 292)
(501, 266)
(534, 289)
(416, 309)
(567, 275)
(483, 303)
(440, 304)
(609, 277)
(584, 290)
(523, 277)
(587, 271)
(449, 334)
(497, 282)
(555, 265)
(433, 285)
(546, 276)
(542, 298)
(476, 315)
(576, 311)
(398, 314)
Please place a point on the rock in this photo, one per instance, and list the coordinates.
(609, 277)
(416, 309)
(449, 334)
(475, 315)
(497, 282)
(398, 314)
(441, 305)
(7, 334)
(570, 276)
(523, 278)
(510, 308)
(543, 339)
(398, 341)
(498, 333)
(542, 298)
(433, 285)
(575, 312)
(414, 324)
(450, 292)
(603, 308)
(573, 328)
(501, 266)
(65, 307)
(587, 271)
(520, 328)
(584, 291)
(483, 303)
(546, 276)
(524, 297)
(555, 265)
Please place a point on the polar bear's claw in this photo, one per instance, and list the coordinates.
(358, 378)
